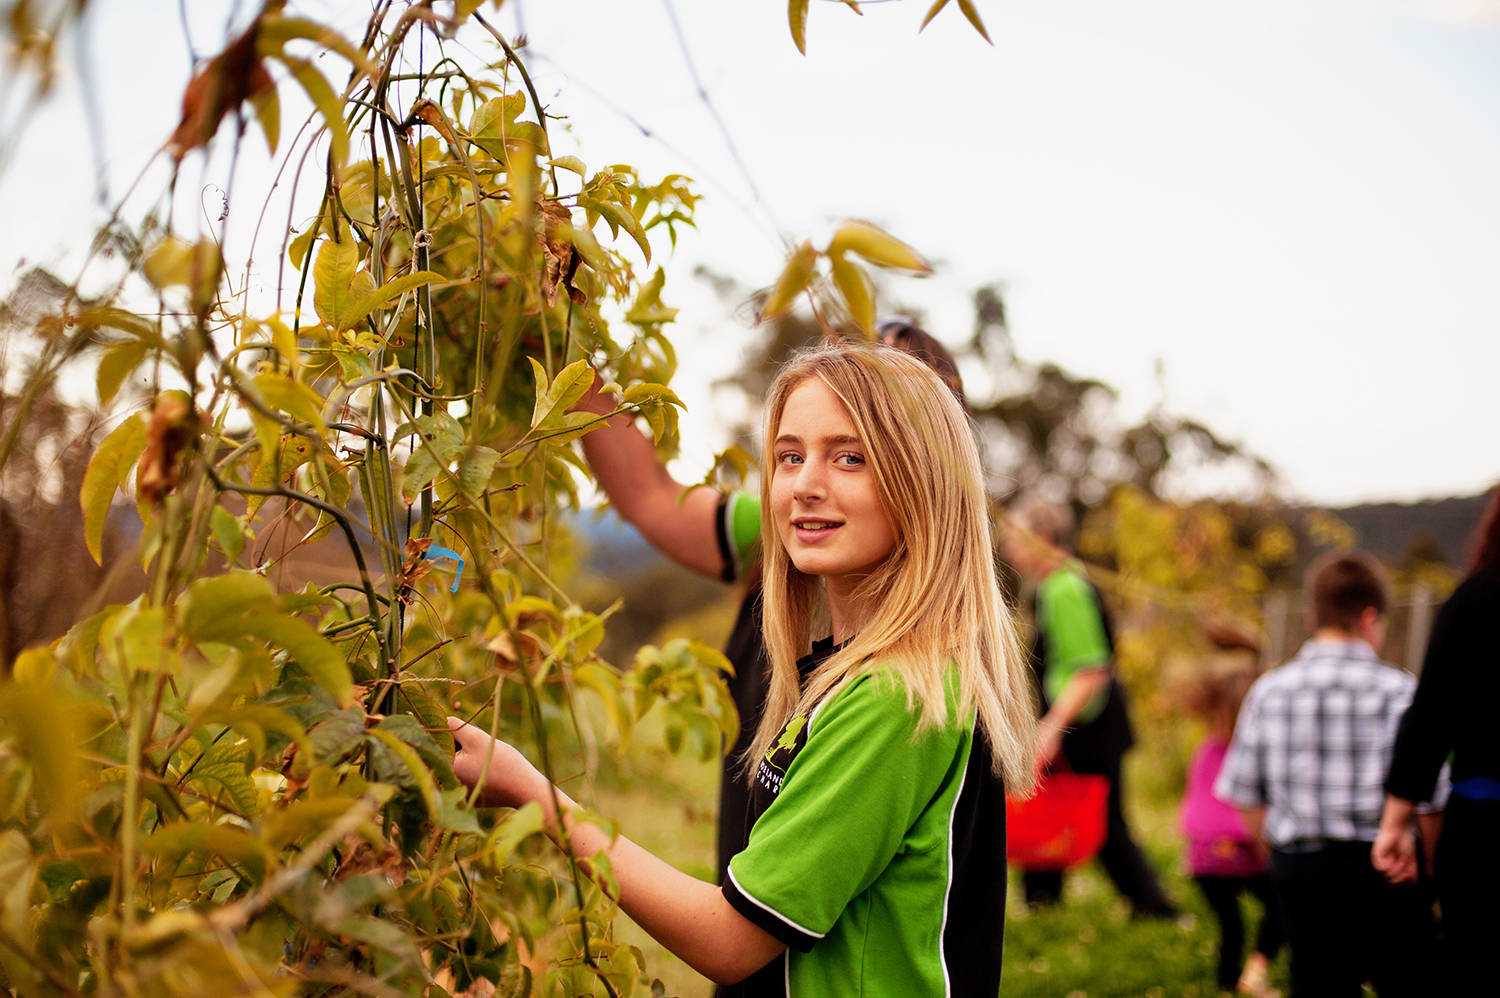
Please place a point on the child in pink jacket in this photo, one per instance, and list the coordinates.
(1222, 858)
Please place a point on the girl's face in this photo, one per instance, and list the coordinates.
(824, 501)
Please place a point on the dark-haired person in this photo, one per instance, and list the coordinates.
(1453, 712)
(1307, 769)
(717, 534)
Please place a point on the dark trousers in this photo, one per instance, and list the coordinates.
(1119, 855)
(1223, 897)
(1347, 925)
(1468, 884)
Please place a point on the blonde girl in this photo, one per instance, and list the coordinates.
(899, 710)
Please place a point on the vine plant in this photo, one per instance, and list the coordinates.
(232, 785)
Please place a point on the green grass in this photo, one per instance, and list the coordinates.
(1086, 947)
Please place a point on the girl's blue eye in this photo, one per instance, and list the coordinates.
(791, 458)
(852, 459)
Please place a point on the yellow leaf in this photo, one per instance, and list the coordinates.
(972, 13)
(859, 295)
(195, 266)
(933, 12)
(326, 101)
(291, 397)
(792, 282)
(876, 245)
(797, 16)
(572, 164)
(107, 471)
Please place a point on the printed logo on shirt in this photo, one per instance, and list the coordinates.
(772, 769)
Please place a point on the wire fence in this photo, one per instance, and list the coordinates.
(1409, 625)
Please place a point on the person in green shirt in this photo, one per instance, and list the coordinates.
(899, 711)
(1084, 723)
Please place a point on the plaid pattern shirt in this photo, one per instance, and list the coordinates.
(1313, 743)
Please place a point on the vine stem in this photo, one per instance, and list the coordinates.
(534, 712)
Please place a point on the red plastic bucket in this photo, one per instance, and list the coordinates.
(1062, 825)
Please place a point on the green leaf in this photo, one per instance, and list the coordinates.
(421, 776)
(566, 428)
(797, 16)
(313, 652)
(117, 364)
(417, 733)
(622, 217)
(475, 467)
(429, 714)
(571, 163)
(338, 281)
(239, 606)
(337, 736)
(228, 532)
(554, 400)
(291, 396)
(18, 871)
(294, 451)
(521, 825)
(454, 815)
(421, 468)
(647, 307)
(223, 841)
(46, 734)
(303, 819)
(335, 490)
(224, 765)
(385, 294)
(440, 433)
(209, 607)
(106, 473)
(654, 402)
(296, 253)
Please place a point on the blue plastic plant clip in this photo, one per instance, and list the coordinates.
(436, 553)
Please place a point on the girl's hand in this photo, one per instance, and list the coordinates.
(509, 779)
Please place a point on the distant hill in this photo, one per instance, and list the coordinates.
(1393, 530)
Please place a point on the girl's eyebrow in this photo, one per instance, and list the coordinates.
(840, 438)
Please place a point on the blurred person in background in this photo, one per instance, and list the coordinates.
(1224, 859)
(1452, 717)
(1306, 767)
(1085, 724)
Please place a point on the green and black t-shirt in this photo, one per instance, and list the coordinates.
(1073, 632)
(877, 854)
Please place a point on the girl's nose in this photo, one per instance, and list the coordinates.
(811, 484)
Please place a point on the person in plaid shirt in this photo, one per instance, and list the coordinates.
(1307, 766)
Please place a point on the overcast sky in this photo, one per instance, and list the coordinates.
(1292, 205)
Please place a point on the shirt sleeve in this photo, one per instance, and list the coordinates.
(849, 796)
(1241, 780)
(738, 532)
(1068, 613)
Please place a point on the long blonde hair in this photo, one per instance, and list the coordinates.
(934, 600)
